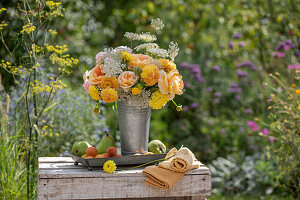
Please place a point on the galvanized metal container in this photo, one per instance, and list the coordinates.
(134, 123)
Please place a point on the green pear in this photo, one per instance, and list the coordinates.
(79, 148)
(156, 147)
(106, 142)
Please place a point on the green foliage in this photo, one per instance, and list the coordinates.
(244, 175)
(285, 106)
(12, 160)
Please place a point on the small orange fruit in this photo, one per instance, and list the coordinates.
(100, 156)
(112, 151)
(90, 157)
(91, 151)
(84, 156)
(148, 153)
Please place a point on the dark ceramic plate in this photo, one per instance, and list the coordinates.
(123, 160)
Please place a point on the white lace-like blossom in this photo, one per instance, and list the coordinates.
(146, 46)
(147, 37)
(173, 50)
(157, 24)
(141, 100)
(158, 52)
(112, 63)
(132, 36)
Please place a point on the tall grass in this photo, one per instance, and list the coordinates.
(12, 160)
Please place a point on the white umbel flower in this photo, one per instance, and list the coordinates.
(147, 37)
(146, 46)
(158, 52)
(132, 36)
(157, 24)
(173, 50)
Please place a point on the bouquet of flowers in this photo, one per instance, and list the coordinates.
(145, 75)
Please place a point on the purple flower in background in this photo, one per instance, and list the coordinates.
(195, 105)
(248, 111)
(278, 54)
(235, 90)
(208, 89)
(222, 131)
(289, 44)
(199, 78)
(297, 53)
(265, 131)
(242, 129)
(185, 108)
(195, 68)
(211, 122)
(251, 147)
(247, 64)
(296, 66)
(280, 46)
(237, 36)
(233, 85)
(216, 68)
(241, 73)
(231, 45)
(185, 65)
(217, 94)
(238, 97)
(271, 139)
(241, 44)
(253, 126)
(232, 148)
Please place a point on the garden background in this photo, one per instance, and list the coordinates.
(240, 65)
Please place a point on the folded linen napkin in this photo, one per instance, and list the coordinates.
(181, 162)
(167, 173)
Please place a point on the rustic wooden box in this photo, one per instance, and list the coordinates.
(58, 178)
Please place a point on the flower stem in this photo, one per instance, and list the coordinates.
(162, 159)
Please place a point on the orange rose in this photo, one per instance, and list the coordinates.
(170, 84)
(95, 76)
(127, 79)
(139, 60)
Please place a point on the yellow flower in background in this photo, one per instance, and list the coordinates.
(158, 100)
(94, 93)
(298, 91)
(109, 166)
(136, 91)
(126, 56)
(28, 28)
(167, 65)
(109, 95)
(299, 107)
(52, 32)
(150, 74)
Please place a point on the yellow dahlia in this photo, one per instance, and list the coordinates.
(126, 56)
(158, 100)
(94, 93)
(109, 166)
(136, 90)
(150, 74)
(167, 65)
(109, 95)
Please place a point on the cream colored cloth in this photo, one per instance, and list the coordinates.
(167, 173)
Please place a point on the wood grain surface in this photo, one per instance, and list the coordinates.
(59, 178)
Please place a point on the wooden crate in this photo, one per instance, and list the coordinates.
(58, 178)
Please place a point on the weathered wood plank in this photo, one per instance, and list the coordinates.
(123, 187)
(83, 172)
